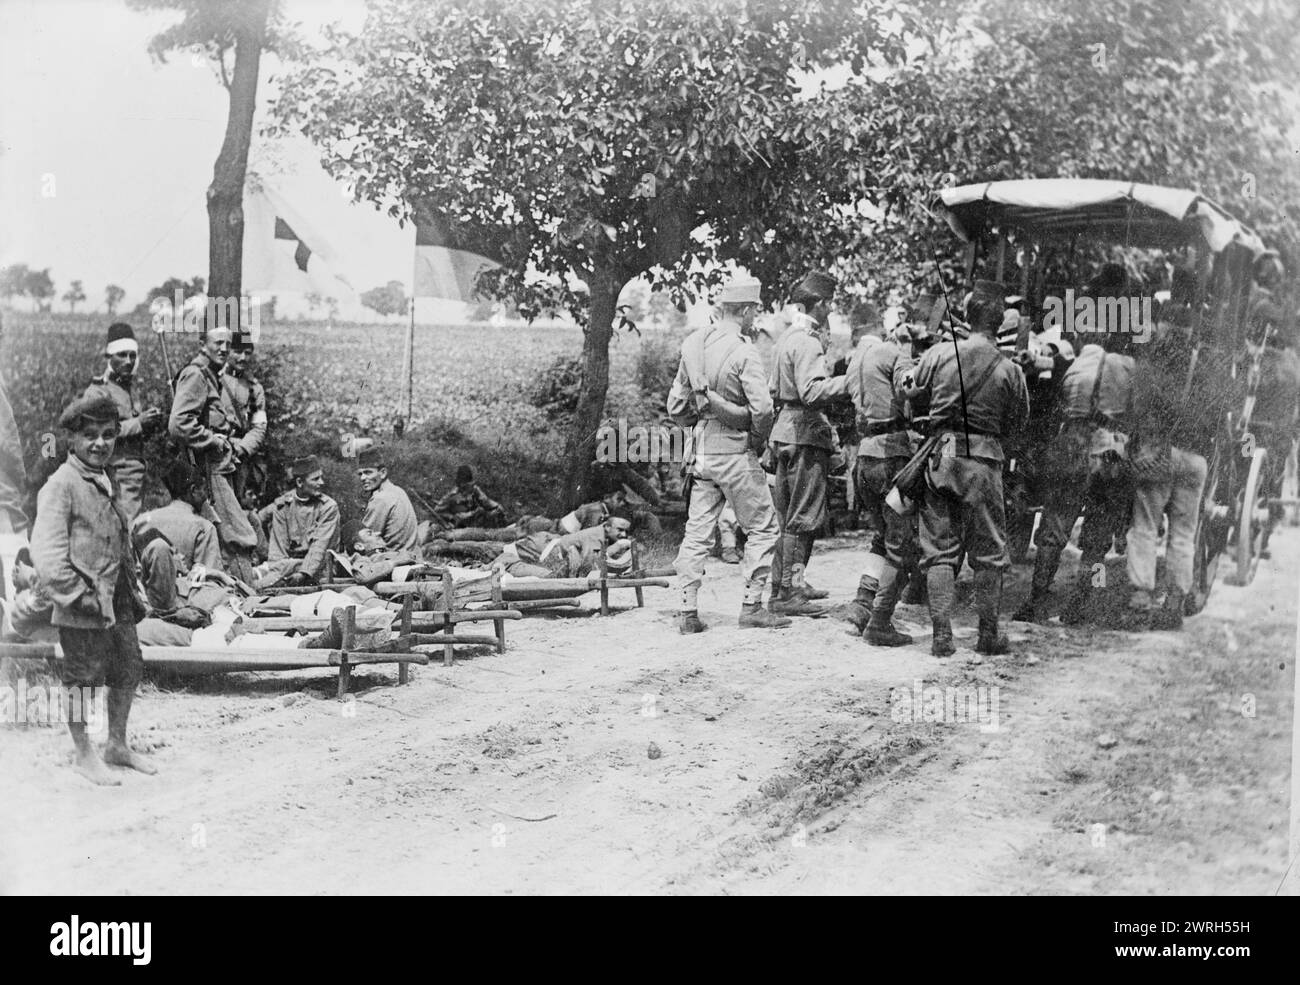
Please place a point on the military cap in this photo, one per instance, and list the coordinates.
(989, 291)
(374, 457)
(96, 408)
(740, 290)
(817, 283)
(304, 466)
(464, 475)
(242, 340)
(865, 314)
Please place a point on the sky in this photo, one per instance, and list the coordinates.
(105, 155)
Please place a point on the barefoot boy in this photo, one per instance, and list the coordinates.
(81, 548)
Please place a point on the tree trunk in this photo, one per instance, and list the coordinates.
(226, 193)
(581, 445)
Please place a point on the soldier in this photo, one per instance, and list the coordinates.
(467, 505)
(1085, 472)
(719, 391)
(388, 511)
(244, 401)
(304, 525)
(200, 422)
(177, 544)
(875, 373)
(1175, 427)
(974, 396)
(82, 553)
(115, 382)
(802, 440)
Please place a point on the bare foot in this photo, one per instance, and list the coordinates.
(89, 765)
(120, 755)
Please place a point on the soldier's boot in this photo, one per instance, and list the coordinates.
(940, 584)
(858, 611)
(329, 639)
(880, 630)
(988, 598)
(1075, 610)
(1170, 615)
(754, 616)
(797, 580)
(914, 592)
(794, 600)
(1045, 565)
(689, 623)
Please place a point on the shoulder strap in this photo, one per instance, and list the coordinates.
(235, 404)
(973, 392)
(1094, 402)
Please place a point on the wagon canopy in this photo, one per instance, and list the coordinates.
(1150, 216)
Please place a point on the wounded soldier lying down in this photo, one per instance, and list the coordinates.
(549, 555)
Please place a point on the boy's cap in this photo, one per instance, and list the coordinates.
(97, 408)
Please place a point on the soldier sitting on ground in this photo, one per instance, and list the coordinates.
(467, 505)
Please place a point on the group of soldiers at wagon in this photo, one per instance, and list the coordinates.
(972, 427)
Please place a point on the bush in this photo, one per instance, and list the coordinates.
(656, 366)
(555, 391)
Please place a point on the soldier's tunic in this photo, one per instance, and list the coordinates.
(1070, 488)
(127, 463)
(200, 421)
(726, 470)
(802, 437)
(548, 555)
(305, 530)
(467, 506)
(963, 505)
(875, 376)
(389, 514)
(244, 401)
(171, 541)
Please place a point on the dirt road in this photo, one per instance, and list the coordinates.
(1081, 763)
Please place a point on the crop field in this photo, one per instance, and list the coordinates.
(472, 390)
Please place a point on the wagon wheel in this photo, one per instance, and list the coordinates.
(1211, 539)
(1252, 519)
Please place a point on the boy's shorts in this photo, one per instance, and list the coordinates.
(99, 657)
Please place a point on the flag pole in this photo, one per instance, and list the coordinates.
(409, 382)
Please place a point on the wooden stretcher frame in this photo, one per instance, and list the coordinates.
(565, 589)
(400, 650)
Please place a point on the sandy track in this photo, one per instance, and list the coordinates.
(781, 769)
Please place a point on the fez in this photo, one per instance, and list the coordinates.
(121, 338)
(180, 477)
(374, 457)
